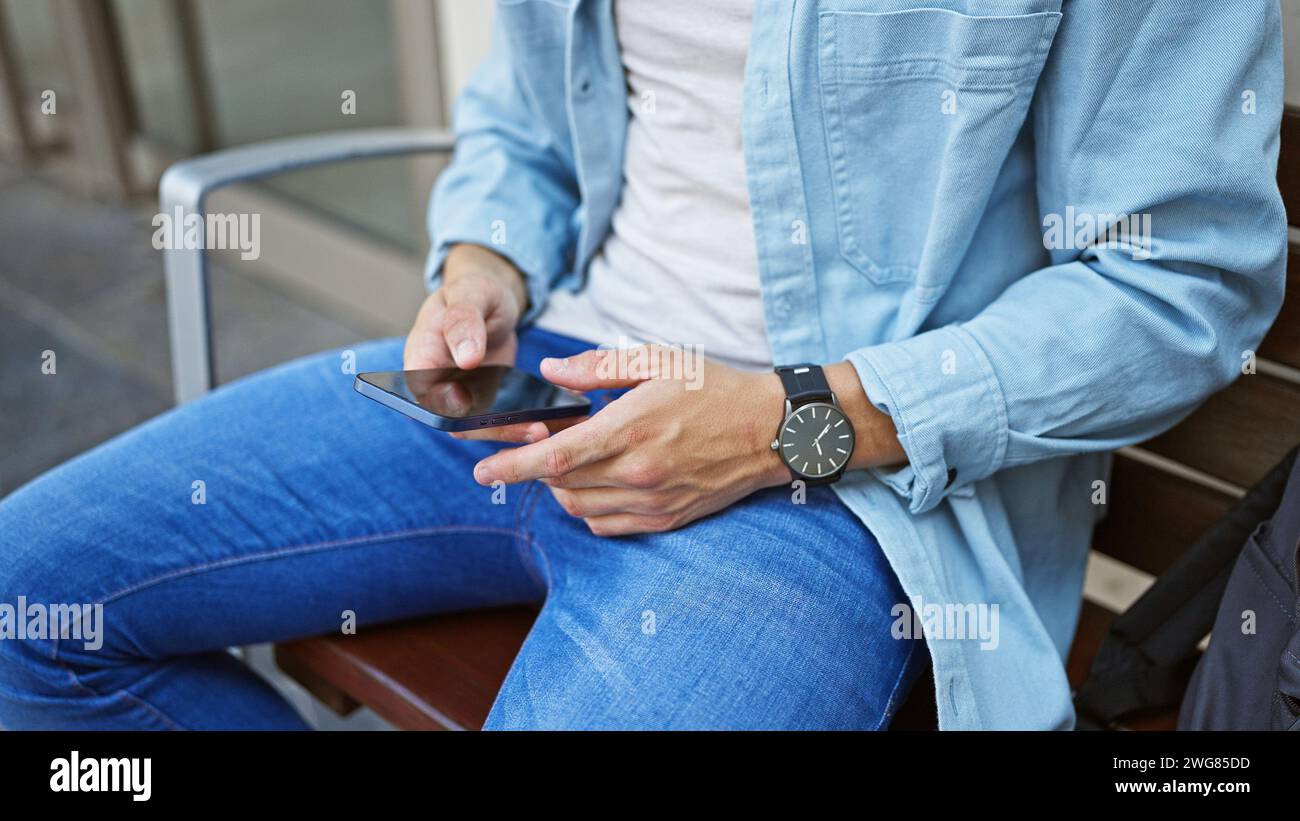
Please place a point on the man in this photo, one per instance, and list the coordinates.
(996, 241)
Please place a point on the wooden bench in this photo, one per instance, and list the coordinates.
(443, 672)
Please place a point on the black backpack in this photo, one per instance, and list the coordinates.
(1238, 580)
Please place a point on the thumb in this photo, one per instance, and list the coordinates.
(604, 368)
(469, 301)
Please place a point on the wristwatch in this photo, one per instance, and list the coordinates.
(815, 439)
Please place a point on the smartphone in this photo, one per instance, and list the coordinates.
(453, 399)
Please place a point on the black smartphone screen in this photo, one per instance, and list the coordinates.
(485, 392)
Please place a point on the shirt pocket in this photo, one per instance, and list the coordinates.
(920, 109)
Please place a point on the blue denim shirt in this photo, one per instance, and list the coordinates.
(910, 162)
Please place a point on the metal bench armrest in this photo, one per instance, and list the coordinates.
(185, 186)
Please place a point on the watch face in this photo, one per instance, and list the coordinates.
(816, 440)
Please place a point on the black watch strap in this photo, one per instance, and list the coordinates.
(804, 383)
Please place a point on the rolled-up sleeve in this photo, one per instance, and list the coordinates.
(509, 186)
(950, 429)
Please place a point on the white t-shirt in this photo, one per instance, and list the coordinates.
(680, 264)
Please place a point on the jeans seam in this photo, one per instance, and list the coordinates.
(295, 550)
(526, 538)
(122, 693)
(890, 707)
(130, 696)
(247, 559)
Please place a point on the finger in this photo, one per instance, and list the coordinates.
(554, 426)
(610, 367)
(628, 524)
(587, 503)
(469, 301)
(466, 335)
(597, 474)
(426, 346)
(613, 471)
(522, 434)
(554, 456)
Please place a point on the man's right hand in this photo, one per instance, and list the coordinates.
(471, 319)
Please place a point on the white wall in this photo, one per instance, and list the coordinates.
(464, 31)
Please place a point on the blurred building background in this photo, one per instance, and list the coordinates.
(98, 97)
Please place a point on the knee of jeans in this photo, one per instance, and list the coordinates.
(41, 620)
(27, 664)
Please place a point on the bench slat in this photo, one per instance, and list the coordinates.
(1282, 344)
(438, 673)
(1239, 433)
(1153, 517)
(1288, 165)
(1094, 621)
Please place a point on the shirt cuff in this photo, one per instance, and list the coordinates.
(943, 395)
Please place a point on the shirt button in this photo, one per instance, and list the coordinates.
(583, 84)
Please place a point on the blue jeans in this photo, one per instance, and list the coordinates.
(316, 501)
